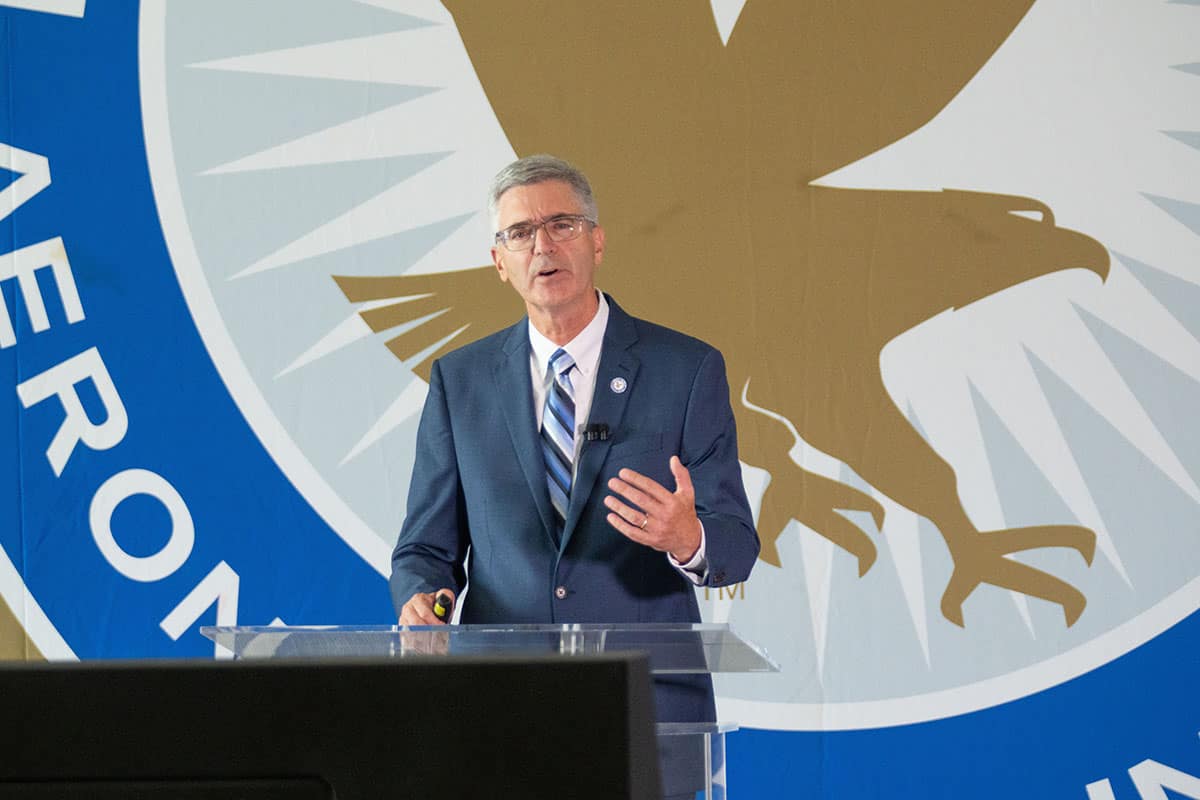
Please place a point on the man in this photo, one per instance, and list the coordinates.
(585, 460)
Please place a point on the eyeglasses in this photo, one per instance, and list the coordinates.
(560, 229)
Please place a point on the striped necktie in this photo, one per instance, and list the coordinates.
(558, 433)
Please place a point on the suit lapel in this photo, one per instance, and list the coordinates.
(512, 378)
(617, 363)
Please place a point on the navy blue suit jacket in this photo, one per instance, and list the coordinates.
(479, 487)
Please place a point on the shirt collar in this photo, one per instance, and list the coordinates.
(584, 349)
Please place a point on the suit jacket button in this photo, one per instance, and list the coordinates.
(719, 577)
(560, 592)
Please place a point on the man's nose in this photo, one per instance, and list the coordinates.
(542, 243)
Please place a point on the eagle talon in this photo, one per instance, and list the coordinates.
(1015, 540)
(820, 500)
(982, 558)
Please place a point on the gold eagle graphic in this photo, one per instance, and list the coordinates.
(703, 156)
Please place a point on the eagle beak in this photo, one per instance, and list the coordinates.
(1081, 251)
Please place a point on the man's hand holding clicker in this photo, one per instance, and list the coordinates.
(419, 609)
(662, 519)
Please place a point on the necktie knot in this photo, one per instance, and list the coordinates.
(561, 362)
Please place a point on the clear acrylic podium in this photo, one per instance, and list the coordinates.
(672, 649)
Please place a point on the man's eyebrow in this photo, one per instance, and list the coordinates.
(550, 218)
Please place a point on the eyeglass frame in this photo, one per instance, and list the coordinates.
(501, 237)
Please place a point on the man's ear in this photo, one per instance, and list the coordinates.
(598, 243)
(498, 260)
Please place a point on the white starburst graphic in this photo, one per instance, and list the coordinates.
(356, 140)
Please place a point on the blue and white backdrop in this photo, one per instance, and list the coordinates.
(197, 427)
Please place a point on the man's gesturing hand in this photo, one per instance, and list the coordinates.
(419, 609)
(662, 519)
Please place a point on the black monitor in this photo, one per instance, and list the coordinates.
(295, 729)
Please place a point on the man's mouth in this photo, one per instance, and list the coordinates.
(545, 273)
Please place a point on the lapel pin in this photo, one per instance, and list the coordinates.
(619, 385)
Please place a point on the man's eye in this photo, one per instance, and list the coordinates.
(518, 234)
(563, 225)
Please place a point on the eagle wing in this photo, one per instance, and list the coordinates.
(450, 308)
(813, 71)
(552, 71)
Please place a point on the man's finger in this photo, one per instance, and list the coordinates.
(683, 478)
(631, 515)
(629, 531)
(633, 494)
(411, 615)
(647, 485)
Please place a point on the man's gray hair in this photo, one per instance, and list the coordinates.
(538, 169)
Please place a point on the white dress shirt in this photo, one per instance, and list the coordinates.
(584, 350)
